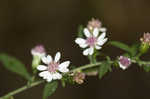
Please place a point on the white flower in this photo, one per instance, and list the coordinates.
(124, 62)
(38, 50)
(54, 69)
(92, 41)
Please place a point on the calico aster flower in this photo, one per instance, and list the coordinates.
(92, 41)
(53, 69)
(124, 62)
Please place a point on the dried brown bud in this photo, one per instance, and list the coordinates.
(146, 38)
(79, 77)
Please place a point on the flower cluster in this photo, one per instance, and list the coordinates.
(53, 69)
(94, 40)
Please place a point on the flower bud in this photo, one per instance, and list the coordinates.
(38, 52)
(94, 23)
(79, 77)
(145, 43)
(124, 62)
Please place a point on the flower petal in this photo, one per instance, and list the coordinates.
(86, 52)
(83, 45)
(95, 32)
(98, 47)
(80, 41)
(122, 67)
(101, 42)
(64, 64)
(49, 78)
(87, 33)
(102, 36)
(103, 29)
(57, 57)
(63, 67)
(47, 59)
(56, 76)
(41, 67)
(44, 74)
(91, 50)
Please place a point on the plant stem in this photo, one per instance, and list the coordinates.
(41, 81)
(85, 67)
(21, 89)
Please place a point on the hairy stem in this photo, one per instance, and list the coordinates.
(41, 81)
(21, 89)
(74, 70)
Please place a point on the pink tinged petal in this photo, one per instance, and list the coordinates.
(63, 67)
(56, 76)
(42, 67)
(101, 42)
(87, 33)
(91, 50)
(95, 32)
(102, 36)
(47, 59)
(103, 29)
(98, 47)
(80, 41)
(57, 57)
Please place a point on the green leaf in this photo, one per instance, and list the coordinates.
(134, 49)
(104, 68)
(49, 89)
(67, 79)
(14, 65)
(146, 68)
(80, 31)
(121, 46)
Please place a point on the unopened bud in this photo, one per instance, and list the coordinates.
(38, 52)
(145, 43)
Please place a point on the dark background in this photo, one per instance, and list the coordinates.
(25, 23)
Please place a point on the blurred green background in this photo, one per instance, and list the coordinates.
(54, 23)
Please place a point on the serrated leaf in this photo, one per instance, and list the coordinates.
(80, 31)
(49, 89)
(14, 65)
(121, 46)
(104, 68)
